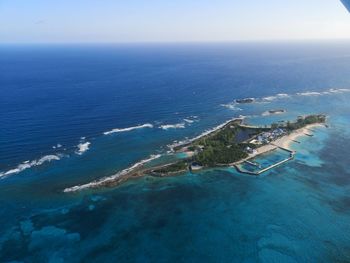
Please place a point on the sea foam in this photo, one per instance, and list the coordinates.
(232, 106)
(209, 131)
(276, 97)
(280, 96)
(57, 146)
(189, 120)
(82, 147)
(147, 125)
(327, 92)
(28, 164)
(311, 93)
(173, 126)
(339, 90)
(112, 178)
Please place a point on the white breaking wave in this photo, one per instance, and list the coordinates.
(339, 90)
(232, 106)
(147, 125)
(268, 99)
(327, 92)
(215, 128)
(57, 146)
(189, 121)
(110, 179)
(275, 97)
(28, 164)
(172, 126)
(83, 147)
(183, 142)
(310, 93)
(283, 95)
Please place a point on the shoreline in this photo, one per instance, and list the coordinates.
(286, 141)
(283, 143)
(184, 143)
(138, 169)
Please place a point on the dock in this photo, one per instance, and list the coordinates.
(308, 134)
(310, 129)
(253, 163)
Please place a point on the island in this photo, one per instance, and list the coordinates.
(279, 111)
(245, 100)
(236, 142)
(233, 144)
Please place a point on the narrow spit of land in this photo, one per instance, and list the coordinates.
(229, 145)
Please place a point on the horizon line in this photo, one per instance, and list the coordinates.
(175, 42)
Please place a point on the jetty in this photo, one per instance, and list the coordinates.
(308, 134)
(256, 164)
(310, 129)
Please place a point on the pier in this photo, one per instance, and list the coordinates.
(308, 134)
(311, 130)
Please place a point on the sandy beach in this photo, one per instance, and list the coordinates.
(283, 142)
(286, 141)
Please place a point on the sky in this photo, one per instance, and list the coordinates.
(70, 21)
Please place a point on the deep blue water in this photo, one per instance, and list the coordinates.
(71, 95)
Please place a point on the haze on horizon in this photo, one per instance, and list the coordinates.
(171, 21)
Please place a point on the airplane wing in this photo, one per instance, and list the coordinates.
(346, 3)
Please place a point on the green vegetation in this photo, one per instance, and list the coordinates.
(173, 168)
(303, 121)
(220, 154)
(228, 144)
(224, 146)
(220, 147)
(224, 136)
(191, 148)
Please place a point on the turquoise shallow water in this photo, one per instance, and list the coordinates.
(265, 160)
(297, 212)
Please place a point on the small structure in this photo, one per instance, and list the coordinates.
(196, 167)
(251, 150)
(255, 141)
(267, 137)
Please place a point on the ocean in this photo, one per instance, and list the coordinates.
(72, 114)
